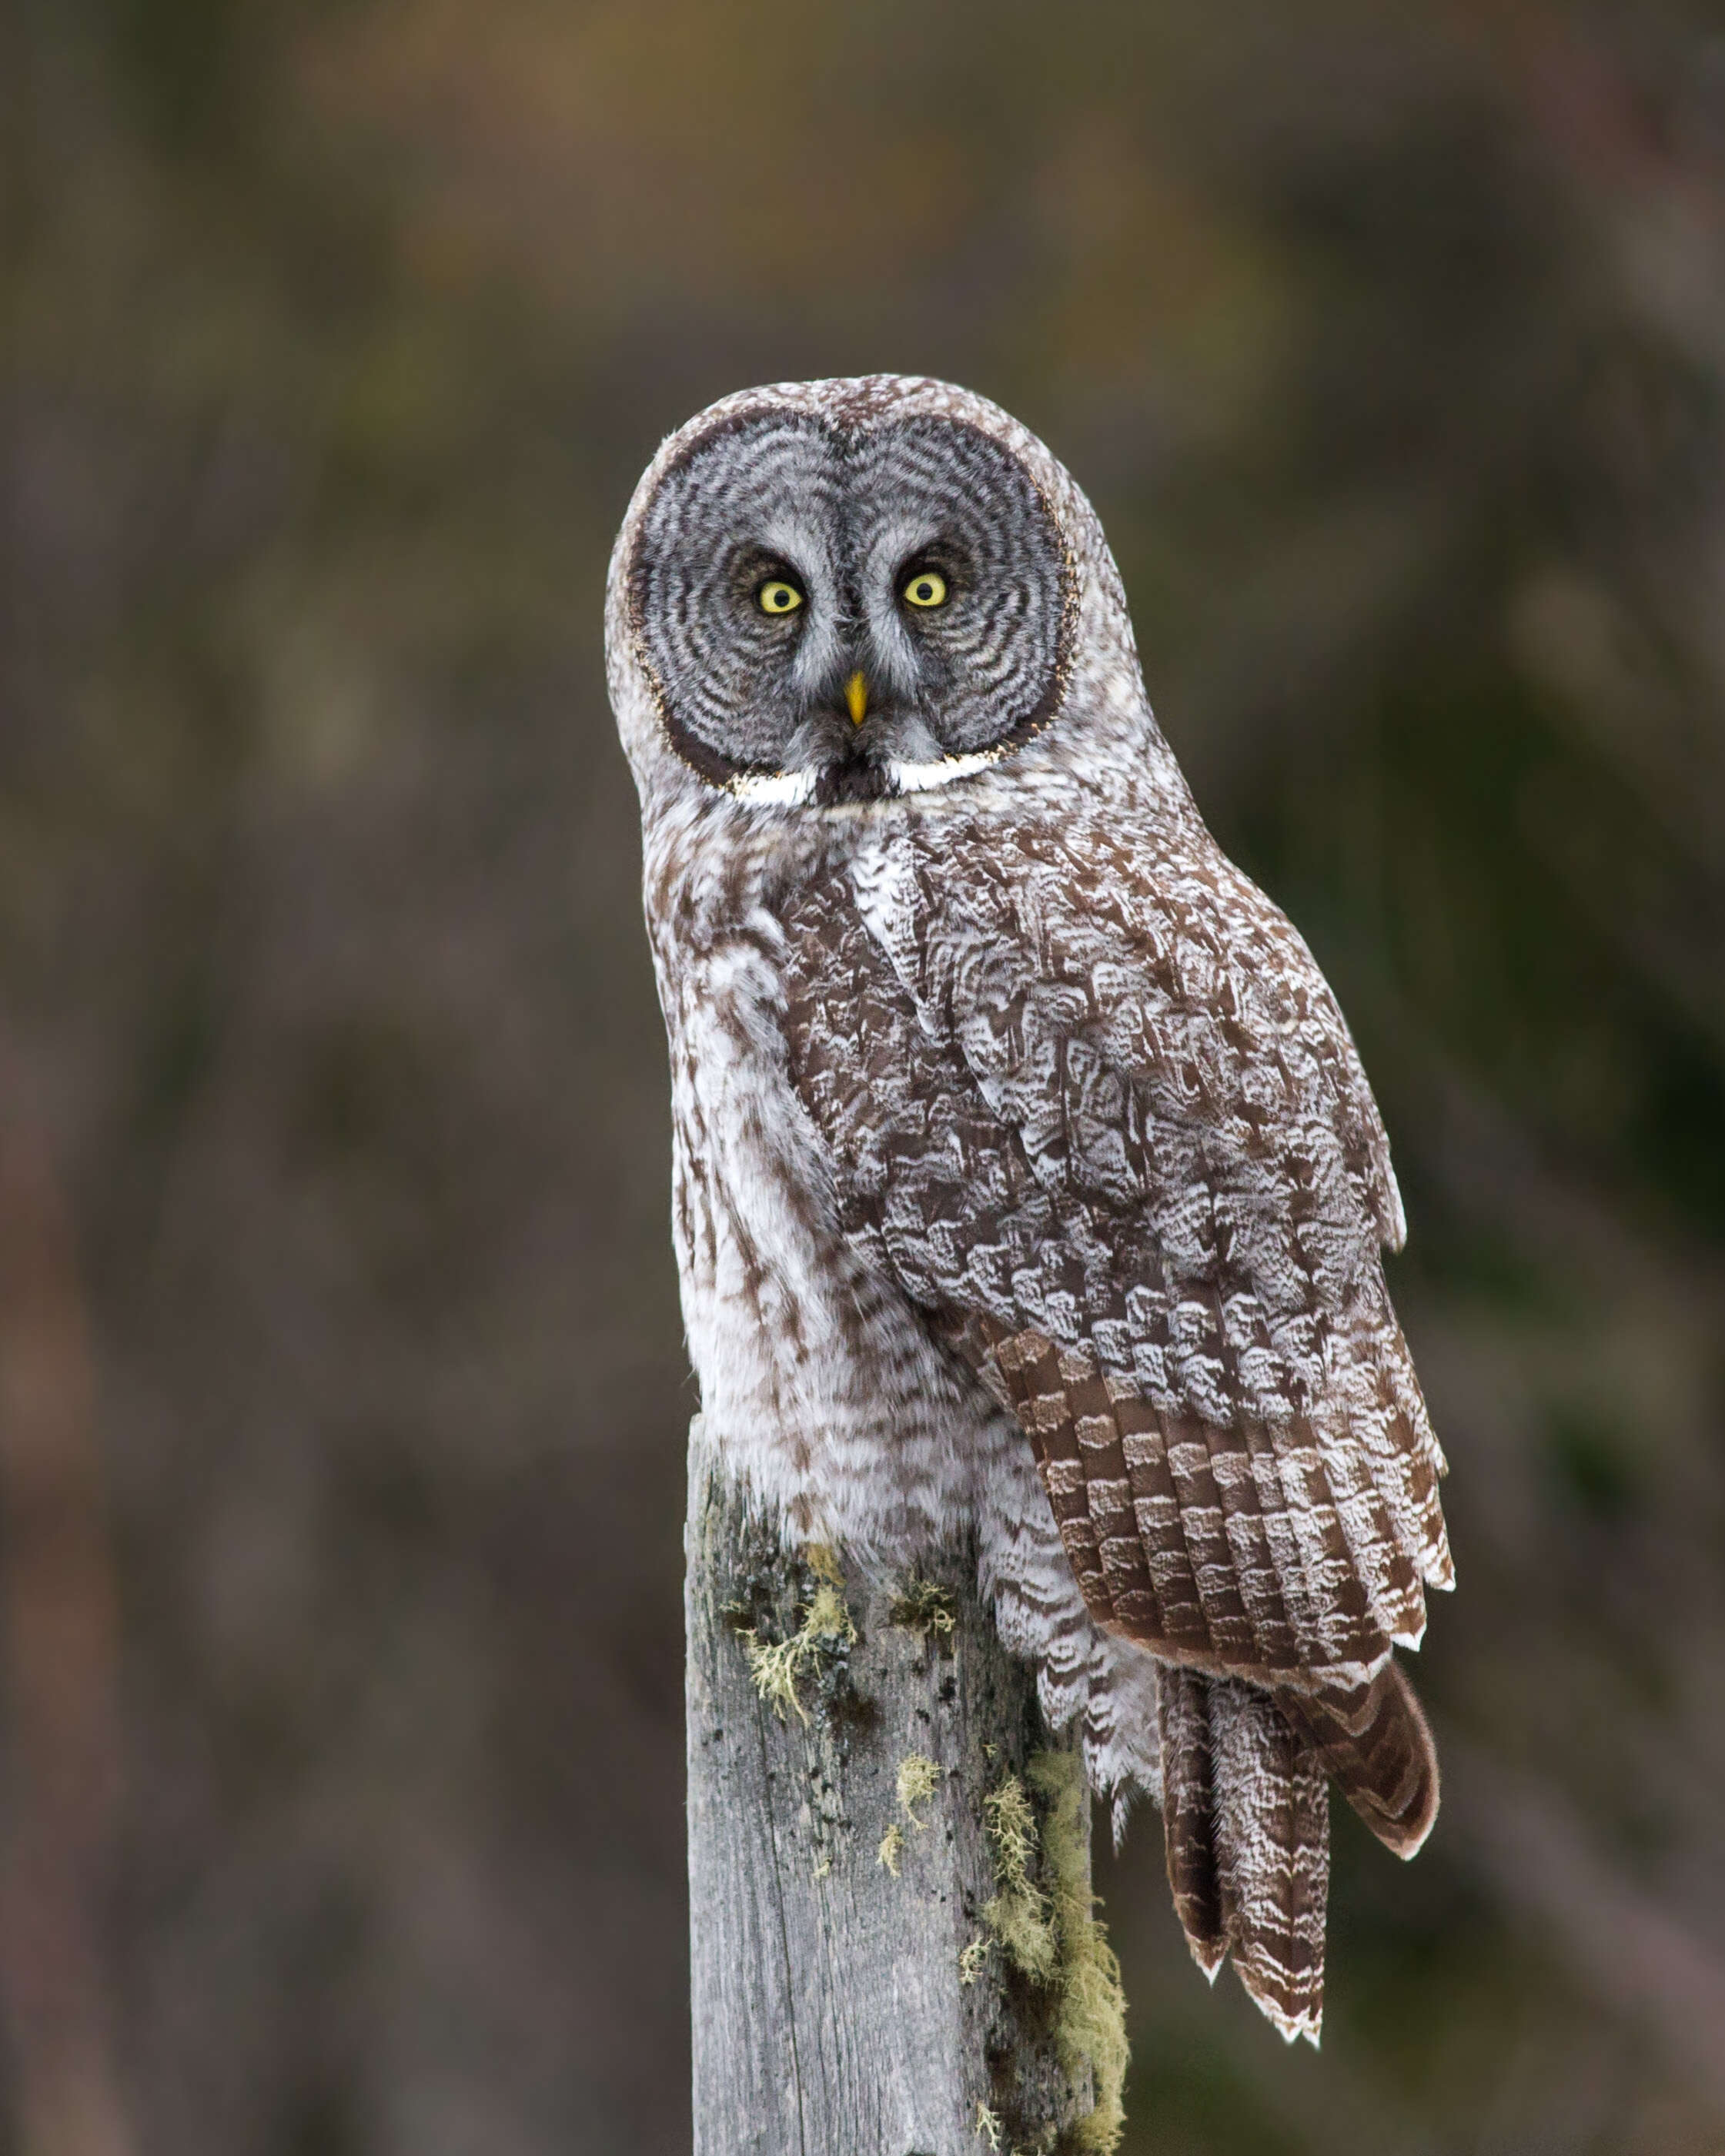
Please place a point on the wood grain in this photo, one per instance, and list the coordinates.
(830, 2014)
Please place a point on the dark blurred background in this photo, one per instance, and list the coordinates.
(342, 1390)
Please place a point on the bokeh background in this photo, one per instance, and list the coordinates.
(342, 1388)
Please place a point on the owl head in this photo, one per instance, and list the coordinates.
(833, 592)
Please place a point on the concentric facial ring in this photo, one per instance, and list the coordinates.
(784, 555)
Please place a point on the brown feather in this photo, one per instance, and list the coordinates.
(1188, 1814)
(1246, 1817)
(1374, 1737)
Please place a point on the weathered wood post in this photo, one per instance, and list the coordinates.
(893, 1949)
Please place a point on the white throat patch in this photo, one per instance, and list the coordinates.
(791, 790)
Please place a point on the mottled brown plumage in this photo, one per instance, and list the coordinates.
(1001, 1092)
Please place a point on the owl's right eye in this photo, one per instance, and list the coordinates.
(777, 596)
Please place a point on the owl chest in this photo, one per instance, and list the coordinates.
(817, 1374)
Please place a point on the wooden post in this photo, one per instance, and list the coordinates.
(850, 1997)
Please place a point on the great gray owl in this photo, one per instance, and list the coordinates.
(1027, 1181)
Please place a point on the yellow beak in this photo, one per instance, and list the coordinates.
(856, 699)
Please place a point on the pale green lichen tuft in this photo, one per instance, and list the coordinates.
(924, 1607)
(826, 1630)
(1090, 2028)
(1052, 1935)
(1018, 1915)
(987, 2124)
(822, 1559)
(918, 1778)
(892, 1844)
(972, 1960)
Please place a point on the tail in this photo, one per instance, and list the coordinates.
(1245, 1813)
(1374, 1739)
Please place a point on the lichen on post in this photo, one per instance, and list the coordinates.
(844, 2005)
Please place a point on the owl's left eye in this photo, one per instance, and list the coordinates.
(924, 587)
(778, 596)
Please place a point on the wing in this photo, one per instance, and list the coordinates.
(1094, 1107)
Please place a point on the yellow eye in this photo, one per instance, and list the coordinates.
(776, 596)
(926, 588)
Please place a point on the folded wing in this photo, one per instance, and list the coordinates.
(1096, 1111)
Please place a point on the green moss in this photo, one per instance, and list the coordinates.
(1091, 2028)
(918, 1778)
(922, 1606)
(1051, 1934)
(826, 1635)
(1018, 1915)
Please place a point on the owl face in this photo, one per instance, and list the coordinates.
(840, 606)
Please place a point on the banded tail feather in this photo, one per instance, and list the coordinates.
(1374, 1737)
(1246, 1815)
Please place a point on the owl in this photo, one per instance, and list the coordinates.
(1027, 1185)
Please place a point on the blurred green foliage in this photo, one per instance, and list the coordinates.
(1391, 346)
